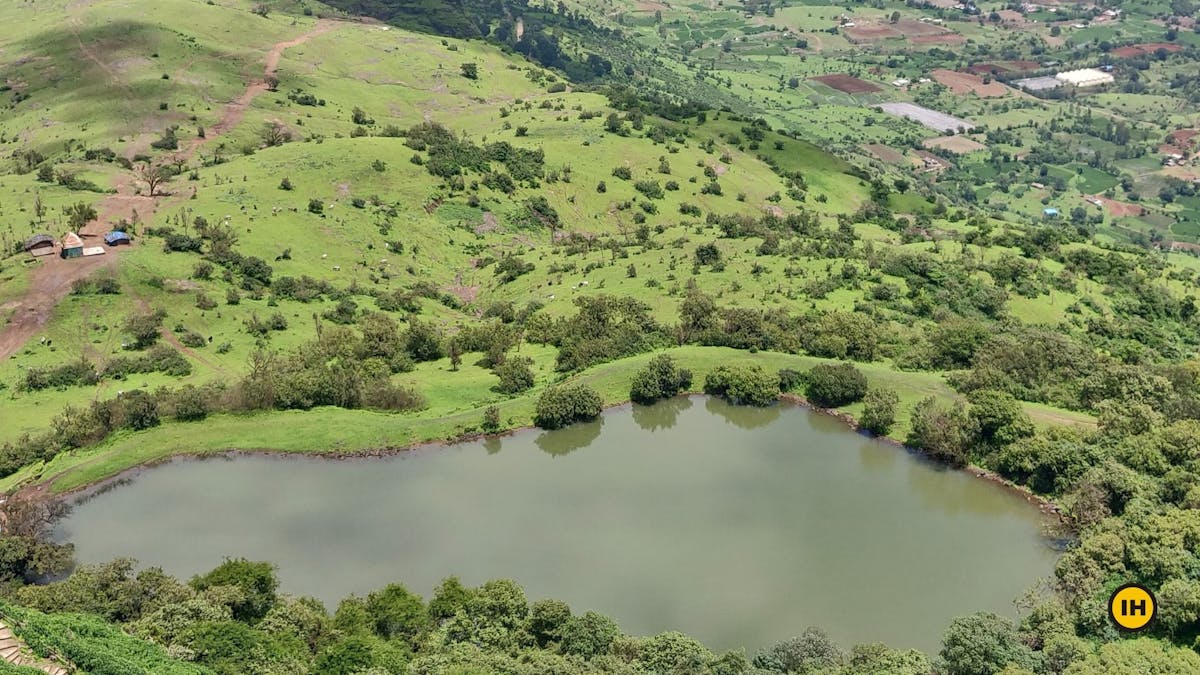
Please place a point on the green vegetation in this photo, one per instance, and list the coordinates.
(492, 215)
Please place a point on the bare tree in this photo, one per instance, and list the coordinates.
(179, 162)
(27, 517)
(153, 175)
(274, 133)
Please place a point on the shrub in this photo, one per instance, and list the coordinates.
(143, 328)
(832, 386)
(940, 432)
(515, 373)
(622, 172)
(743, 385)
(491, 419)
(879, 411)
(791, 380)
(565, 404)
(661, 378)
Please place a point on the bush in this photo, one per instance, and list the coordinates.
(791, 380)
(622, 172)
(565, 404)
(832, 386)
(491, 419)
(515, 373)
(941, 433)
(143, 328)
(660, 379)
(879, 411)
(743, 385)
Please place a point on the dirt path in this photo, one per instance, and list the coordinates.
(52, 280)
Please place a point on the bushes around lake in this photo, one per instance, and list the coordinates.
(743, 385)
(835, 385)
(661, 378)
(566, 404)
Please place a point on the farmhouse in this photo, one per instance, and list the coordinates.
(40, 244)
(116, 238)
(1085, 77)
(72, 246)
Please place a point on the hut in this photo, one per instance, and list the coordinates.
(40, 244)
(72, 246)
(1049, 212)
(117, 238)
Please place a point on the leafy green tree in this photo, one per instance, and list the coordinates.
(812, 650)
(1143, 655)
(835, 385)
(661, 378)
(256, 581)
(515, 373)
(449, 597)
(997, 418)
(397, 613)
(983, 644)
(940, 432)
(565, 404)
(470, 71)
(143, 328)
(879, 659)
(588, 635)
(743, 385)
(423, 341)
(879, 411)
(674, 652)
(546, 620)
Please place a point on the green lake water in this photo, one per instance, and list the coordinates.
(739, 526)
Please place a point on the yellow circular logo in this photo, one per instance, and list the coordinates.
(1132, 607)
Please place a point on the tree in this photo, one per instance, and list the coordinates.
(275, 134)
(423, 341)
(813, 650)
(255, 580)
(940, 432)
(470, 71)
(661, 378)
(515, 373)
(588, 635)
(546, 620)
(286, 184)
(997, 418)
(491, 419)
(743, 385)
(153, 175)
(79, 214)
(449, 597)
(316, 206)
(143, 328)
(879, 411)
(895, 18)
(612, 123)
(565, 404)
(982, 644)
(397, 613)
(139, 410)
(835, 385)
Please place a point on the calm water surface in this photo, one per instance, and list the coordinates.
(738, 526)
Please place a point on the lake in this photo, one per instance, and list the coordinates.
(739, 526)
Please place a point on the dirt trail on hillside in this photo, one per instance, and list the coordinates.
(53, 278)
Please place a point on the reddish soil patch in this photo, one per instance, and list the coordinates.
(884, 153)
(870, 33)
(968, 83)
(1021, 66)
(489, 224)
(846, 83)
(986, 69)
(942, 39)
(915, 28)
(1183, 137)
(652, 7)
(1130, 51)
(1115, 208)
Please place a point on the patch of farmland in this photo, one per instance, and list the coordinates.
(938, 121)
(847, 84)
(968, 83)
(959, 145)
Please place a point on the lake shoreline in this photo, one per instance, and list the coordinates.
(83, 493)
